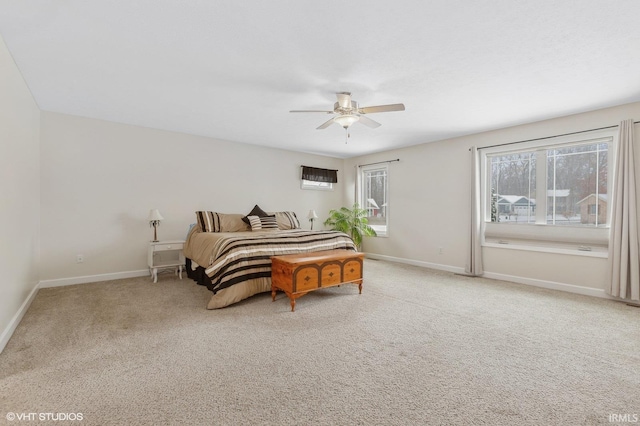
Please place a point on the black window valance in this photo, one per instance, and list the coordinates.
(319, 175)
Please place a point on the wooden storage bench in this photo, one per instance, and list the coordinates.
(298, 274)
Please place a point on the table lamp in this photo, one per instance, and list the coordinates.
(154, 220)
(312, 216)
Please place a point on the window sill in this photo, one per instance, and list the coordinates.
(566, 237)
(595, 252)
(316, 188)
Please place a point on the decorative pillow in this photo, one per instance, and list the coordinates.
(257, 211)
(287, 220)
(266, 223)
(220, 222)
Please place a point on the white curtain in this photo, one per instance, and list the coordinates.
(474, 266)
(624, 248)
(357, 183)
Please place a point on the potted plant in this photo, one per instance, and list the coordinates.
(352, 222)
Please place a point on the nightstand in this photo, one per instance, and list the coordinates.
(165, 254)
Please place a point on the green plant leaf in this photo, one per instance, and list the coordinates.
(352, 222)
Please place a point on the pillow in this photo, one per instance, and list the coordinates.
(287, 220)
(189, 231)
(220, 222)
(257, 211)
(266, 223)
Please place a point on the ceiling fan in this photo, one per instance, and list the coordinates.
(346, 112)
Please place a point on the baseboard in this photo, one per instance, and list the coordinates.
(448, 268)
(570, 288)
(552, 285)
(93, 278)
(13, 324)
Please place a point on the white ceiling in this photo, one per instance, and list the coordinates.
(233, 69)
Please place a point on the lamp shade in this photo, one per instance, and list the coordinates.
(312, 215)
(154, 215)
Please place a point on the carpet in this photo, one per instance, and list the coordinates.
(418, 346)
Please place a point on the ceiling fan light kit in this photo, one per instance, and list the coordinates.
(347, 112)
(346, 120)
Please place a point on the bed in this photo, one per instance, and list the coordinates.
(233, 259)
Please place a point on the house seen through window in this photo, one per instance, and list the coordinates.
(558, 185)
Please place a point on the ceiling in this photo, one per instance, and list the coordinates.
(232, 70)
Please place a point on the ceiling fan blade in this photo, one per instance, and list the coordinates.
(325, 124)
(312, 110)
(381, 108)
(344, 99)
(369, 122)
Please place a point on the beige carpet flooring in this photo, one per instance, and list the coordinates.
(417, 347)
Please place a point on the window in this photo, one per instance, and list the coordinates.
(374, 197)
(540, 191)
(513, 187)
(309, 184)
(316, 178)
(576, 174)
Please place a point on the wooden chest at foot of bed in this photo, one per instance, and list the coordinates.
(298, 274)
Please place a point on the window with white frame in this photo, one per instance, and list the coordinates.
(310, 184)
(555, 190)
(374, 196)
(317, 178)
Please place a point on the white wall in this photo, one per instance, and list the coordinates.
(429, 205)
(19, 192)
(99, 180)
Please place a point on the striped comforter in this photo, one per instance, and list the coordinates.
(233, 257)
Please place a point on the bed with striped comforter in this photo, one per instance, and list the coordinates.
(237, 265)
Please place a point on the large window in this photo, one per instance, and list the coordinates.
(561, 183)
(374, 197)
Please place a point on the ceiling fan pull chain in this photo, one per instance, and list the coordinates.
(347, 135)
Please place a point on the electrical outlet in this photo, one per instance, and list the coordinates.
(79, 258)
(440, 250)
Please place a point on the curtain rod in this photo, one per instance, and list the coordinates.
(379, 162)
(550, 137)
